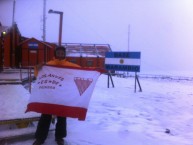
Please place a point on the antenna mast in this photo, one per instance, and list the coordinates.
(44, 21)
(129, 36)
(13, 17)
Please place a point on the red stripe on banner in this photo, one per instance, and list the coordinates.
(58, 110)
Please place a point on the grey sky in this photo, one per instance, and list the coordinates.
(161, 29)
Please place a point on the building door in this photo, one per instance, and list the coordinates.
(33, 57)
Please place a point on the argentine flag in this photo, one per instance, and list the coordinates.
(123, 61)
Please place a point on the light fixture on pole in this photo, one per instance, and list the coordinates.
(60, 25)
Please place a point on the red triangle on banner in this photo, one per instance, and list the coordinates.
(82, 84)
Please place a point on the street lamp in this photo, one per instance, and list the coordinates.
(60, 26)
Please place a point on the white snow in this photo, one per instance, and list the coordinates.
(119, 116)
(13, 102)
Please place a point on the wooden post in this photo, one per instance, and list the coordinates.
(137, 80)
(110, 78)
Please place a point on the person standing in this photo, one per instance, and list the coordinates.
(45, 119)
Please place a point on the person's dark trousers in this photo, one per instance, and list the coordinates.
(44, 125)
(60, 131)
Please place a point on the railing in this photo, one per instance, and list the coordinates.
(30, 75)
(21, 75)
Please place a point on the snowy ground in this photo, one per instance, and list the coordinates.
(162, 114)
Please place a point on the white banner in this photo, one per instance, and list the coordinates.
(63, 91)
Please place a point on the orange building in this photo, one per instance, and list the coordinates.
(17, 51)
(10, 37)
(33, 52)
(87, 55)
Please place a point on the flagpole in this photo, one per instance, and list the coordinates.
(129, 36)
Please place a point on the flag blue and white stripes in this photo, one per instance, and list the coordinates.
(123, 61)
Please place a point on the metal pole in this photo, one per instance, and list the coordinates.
(30, 79)
(20, 72)
(129, 37)
(135, 80)
(13, 17)
(44, 21)
(60, 29)
(60, 25)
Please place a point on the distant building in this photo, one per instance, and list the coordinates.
(18, 51)
(87, 55)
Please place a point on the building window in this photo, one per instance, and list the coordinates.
(90, 63)
(73, 61)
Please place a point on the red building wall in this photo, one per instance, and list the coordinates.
(34, 52)
(7, 52)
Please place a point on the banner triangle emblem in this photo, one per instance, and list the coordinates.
(82, 84)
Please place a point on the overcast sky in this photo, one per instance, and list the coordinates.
(162, 30)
